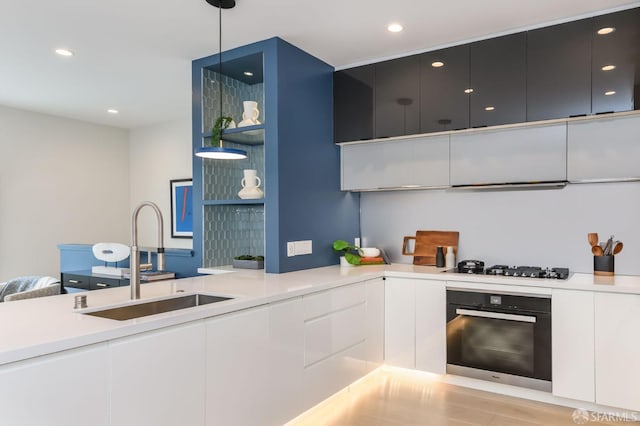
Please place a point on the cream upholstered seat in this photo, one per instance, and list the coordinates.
(29, 287)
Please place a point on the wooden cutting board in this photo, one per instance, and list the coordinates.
(426, 244)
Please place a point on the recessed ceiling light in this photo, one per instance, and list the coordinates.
(610, 92)
(489, 108)
(469, 90)
(248, 73)
(64, 52)
(395, 28)
(112, 111)
(437, 64)
(606, 30)
(608, 67)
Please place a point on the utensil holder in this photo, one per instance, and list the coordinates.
(603, 265)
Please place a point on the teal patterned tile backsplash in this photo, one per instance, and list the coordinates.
(234, 93)
(232, 230)
(221, 178)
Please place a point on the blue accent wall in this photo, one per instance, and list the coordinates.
(311, 205)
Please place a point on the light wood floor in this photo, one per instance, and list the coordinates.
(392, 398)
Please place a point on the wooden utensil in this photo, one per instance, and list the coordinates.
(593, 238)
(618, 248)
(597, 251)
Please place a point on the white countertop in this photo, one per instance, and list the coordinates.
(35, 327)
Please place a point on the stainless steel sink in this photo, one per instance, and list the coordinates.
(138, 310)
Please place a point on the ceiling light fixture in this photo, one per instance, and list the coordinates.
(610, 92)
(469, 90)
(64, 52)
(394, 28)
(437, 64)
(606, 30)
(113, 111)
(608, 67)
(248, 73)
(219, 152)
(489, 108)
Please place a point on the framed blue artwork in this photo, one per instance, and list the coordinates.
(181, 208)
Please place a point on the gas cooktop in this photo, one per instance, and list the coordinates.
(477, 267)
(528, 272)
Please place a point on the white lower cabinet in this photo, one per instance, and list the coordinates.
(64, 389)
(158, 378)
(254, 365)
(431, 326)
(400, 323)
(572, 344)
(415, 324)
(343, 332)
(617, 350)
(374, 345)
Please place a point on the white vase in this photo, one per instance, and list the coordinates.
(250, 114)
(250, 185)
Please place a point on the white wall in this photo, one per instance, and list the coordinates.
(158, 154)
(540, 227)
(61, 181)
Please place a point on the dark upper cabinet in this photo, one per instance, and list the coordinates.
(616, 43)
(498, 81)
(444, 77)
(554, 72)
(559, 71)
(353, 108)
(397, 103)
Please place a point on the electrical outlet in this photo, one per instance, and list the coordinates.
(291, 248)
(303, 247)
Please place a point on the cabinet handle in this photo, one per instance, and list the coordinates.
(74, 281)
(102, 285)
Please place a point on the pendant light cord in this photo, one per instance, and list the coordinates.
(220, 62)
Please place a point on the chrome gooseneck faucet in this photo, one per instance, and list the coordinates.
(135, 253)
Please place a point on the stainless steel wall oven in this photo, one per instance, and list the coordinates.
(504, 338)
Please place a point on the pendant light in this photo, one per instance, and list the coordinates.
(220, 152)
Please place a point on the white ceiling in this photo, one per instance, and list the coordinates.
(135, 55)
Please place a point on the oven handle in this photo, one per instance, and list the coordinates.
(496, 315)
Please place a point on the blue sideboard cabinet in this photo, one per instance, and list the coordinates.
(291, 149)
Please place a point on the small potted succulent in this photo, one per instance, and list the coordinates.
(247, 261)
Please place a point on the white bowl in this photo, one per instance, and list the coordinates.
(369, 252)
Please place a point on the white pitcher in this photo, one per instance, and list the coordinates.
(250, 185)
(250, 114)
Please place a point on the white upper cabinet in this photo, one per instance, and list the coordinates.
(604, 149)
(404, 163)
(513, 155)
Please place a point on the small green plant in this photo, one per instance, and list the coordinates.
(219, 126)
(350, 251)
(249, 257)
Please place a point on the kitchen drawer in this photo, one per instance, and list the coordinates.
(323, 303)
(98, 283)
(331, 334)
(76, 281)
